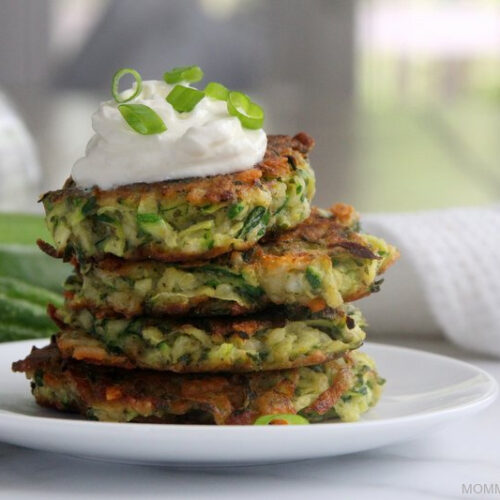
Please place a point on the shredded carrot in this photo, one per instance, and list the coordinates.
(317, 304)
(113, 393)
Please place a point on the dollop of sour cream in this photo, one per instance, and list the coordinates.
(203, 142)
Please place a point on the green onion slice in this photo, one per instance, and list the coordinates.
(184, 74)
(184, 99)
(116, 81)
(281, 419)
(217, 91)
(250, 114)
(142, 119)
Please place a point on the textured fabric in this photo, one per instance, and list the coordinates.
(448, 278)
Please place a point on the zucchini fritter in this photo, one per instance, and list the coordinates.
(185, 219)
(321, 263)
(343, 389)
(279, 339)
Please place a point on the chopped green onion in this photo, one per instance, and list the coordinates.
(116, 81)
(282, 419)
(142, 119)
(184, 99)
(250, 114)
(217, 91)
(184, 74)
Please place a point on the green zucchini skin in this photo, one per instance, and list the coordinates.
(26, 263)
(23, 310)
(18, 289)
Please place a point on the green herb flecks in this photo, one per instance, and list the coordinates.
(313, 277)
(234, 210)
(254, 218)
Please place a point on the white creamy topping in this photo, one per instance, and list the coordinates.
(206, 141)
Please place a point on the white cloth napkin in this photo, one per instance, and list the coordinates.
(447, 280)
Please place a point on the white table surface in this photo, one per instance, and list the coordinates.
(465, 453)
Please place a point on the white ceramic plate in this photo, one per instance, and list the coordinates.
(423, 392)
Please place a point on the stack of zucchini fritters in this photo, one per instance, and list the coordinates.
(210, 300)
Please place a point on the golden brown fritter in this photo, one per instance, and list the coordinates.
(344, 389)
(274, 340)
(321, 263)
(189, 218)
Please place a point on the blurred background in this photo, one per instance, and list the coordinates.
(402, 97)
